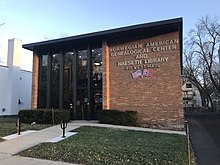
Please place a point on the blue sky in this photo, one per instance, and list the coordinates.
(32, 21)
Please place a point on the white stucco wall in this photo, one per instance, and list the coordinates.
(4, 90)
(25, 90)
(15, 84)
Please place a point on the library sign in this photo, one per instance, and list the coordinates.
(141, 62)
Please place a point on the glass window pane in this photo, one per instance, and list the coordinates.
(97, 67)
(68, 80)
(55, 80)
(81, 104)
(82, 68)
(42, 97)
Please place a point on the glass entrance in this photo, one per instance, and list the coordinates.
(82, 104)
(68, 81)
(72, 80)
(96, 104)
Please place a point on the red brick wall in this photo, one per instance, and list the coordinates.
(35, 72)
(157, 99)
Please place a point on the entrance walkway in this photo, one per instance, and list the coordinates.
(9, 148)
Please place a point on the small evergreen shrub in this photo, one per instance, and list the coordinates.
(44, 116)
(115, 117)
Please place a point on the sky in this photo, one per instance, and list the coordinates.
(38, 20)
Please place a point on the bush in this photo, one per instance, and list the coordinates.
(199, 110)
(127, 118)
(43, 116)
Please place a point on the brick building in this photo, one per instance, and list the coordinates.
(131, 68)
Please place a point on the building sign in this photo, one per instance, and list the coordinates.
(139, 56)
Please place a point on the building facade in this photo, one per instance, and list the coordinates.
(191, 96)
(15, 83)
(130, 68)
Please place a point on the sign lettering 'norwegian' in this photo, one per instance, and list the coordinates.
(140, 52)
(134, 49)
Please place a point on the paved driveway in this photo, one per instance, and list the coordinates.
(205, 138)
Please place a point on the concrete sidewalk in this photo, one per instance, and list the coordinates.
(96, 124)
(9, 148)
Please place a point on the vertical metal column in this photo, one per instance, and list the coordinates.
(49, 73)
(89, 81)
(61, 78)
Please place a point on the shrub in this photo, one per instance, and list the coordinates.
(43, 116)
(201, 110)
(127, 118)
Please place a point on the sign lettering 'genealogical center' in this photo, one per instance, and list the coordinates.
(141, 52)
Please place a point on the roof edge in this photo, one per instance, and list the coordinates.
(105, 32)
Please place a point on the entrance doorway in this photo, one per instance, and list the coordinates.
(83, 83)
(96, 104)
(72, 80)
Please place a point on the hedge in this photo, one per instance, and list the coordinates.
(115, 117)
(44, 116)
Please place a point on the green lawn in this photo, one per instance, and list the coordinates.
(93, 145)
(8, 126)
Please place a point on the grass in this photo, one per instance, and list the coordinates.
(93, 145)
(8, 127)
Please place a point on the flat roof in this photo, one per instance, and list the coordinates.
(146, 29)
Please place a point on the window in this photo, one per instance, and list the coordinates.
(68, 80)
(188, 85)
(82, 68)
(42, 97)
(97, 67)
(55, 80)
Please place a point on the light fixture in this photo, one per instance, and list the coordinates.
(97, 63)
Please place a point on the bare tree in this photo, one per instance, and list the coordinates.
(201, 62)
(61, 35)
(196, 73)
